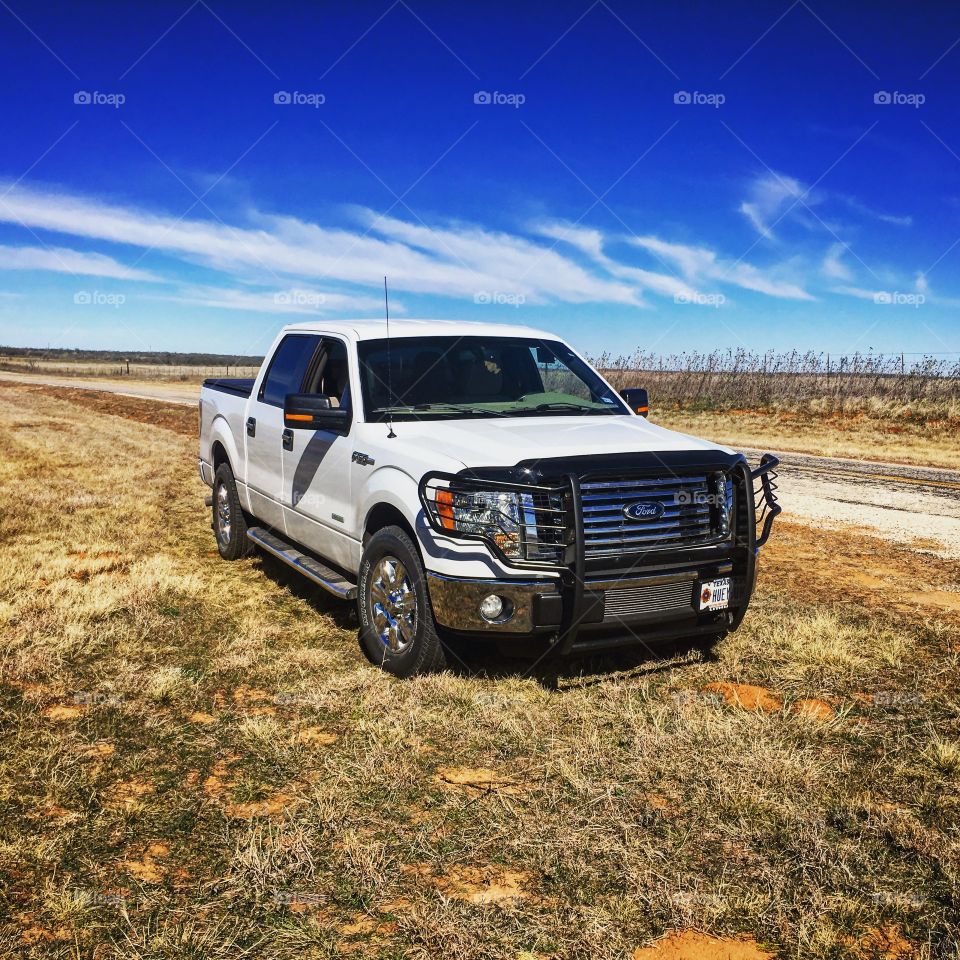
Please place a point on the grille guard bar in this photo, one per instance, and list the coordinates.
(766, 507)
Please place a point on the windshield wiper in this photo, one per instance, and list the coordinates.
(443, 405)
(564, 405)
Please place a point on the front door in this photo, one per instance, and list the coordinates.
(316, 468)
(264, 425)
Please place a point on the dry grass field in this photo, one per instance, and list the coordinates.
(196, 761)
(897, 436)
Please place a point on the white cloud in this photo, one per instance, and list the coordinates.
(62, 260)
(454, 261)
(769, 194)
(833, 266)
(298, 300)
(701, 264)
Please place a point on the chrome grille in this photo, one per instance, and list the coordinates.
(692, 511)
(629, 602)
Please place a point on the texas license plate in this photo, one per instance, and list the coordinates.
(715, 594)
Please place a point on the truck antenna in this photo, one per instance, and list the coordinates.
(386, 304)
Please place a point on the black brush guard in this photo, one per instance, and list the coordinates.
(755, 509)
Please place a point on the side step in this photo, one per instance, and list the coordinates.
(311, 568)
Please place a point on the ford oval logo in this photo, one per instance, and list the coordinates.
(644, 510)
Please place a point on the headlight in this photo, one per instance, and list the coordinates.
(493, 514)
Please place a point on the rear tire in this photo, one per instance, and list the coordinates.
(397, 629)
(228, 521)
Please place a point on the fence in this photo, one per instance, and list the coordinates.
(743, 379)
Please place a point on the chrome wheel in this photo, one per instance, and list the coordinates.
(393, 604)
(223, 519)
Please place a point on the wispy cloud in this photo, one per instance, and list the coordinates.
(62, 260)
(299, 300)
(769, 194)
(699, 264)
(774, 198)
(833, 266)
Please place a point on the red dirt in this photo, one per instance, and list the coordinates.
(693, 945)
(746, 696)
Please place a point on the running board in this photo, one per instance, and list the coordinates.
(311, 568)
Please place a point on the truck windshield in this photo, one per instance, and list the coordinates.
(458, 377)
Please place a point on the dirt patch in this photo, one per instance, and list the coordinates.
(149, 868)
(316, 737)
(179, 418)
(201, 718)
(693, 945)
(480, 885)
(100, 750)
(840, 566)
(746, 696)
(272, 806)
(64, 712)
(254, 701)
(812, 708)
(885, 942)
(477, 780)
(128, 793)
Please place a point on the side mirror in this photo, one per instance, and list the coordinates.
(312, 411)
(636, 398)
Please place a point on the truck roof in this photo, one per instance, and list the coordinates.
(377, 329)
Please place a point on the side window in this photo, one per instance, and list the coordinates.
(330, 376)
(288, 368)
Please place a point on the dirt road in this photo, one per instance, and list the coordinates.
(918, 507)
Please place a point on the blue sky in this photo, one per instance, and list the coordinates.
(665, 176)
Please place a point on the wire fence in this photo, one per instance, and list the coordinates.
(135, 371)
(789, 380)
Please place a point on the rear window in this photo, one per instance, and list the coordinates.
(288, 368)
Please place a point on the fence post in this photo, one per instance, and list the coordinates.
(902, 368)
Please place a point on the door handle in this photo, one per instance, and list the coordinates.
(251, 426)
(287, 439)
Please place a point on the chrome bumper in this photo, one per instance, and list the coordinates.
(534, 604)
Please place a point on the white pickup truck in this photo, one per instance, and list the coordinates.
(479, 480)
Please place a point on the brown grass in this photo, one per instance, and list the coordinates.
(896, 436)
(239, 782)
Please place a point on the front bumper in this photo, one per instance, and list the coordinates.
(612, 611)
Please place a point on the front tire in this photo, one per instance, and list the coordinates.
(397, 629)
(229, 523)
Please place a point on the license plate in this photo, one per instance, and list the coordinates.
(715, 594)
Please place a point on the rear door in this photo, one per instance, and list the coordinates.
(264, 424)
(317, 468)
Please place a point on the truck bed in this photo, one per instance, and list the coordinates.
(238, 386)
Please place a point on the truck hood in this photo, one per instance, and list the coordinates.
(505, 441)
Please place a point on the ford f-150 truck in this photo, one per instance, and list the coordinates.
(479, 480)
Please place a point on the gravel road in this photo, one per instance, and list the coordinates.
(918, 507)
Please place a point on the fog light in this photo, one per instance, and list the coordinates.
(491, 608)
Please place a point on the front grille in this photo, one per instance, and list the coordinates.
(683, 512)
(628, 603)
